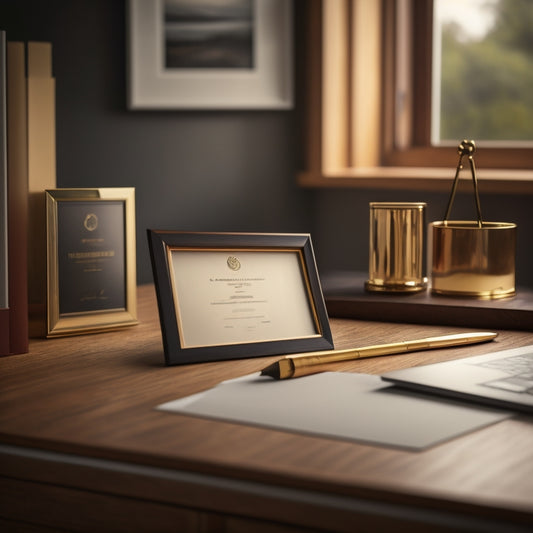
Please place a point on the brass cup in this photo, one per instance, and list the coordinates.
(396, 250)
(469, 260)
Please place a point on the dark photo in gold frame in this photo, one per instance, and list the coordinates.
(237, 295)
(91, 274)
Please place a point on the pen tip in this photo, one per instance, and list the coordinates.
(271, 370)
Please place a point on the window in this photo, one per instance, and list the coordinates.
(482, 72)
(369, 99)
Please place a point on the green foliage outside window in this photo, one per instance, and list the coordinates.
(487, 84)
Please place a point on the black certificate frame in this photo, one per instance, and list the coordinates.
(91, 260)
(162, 245)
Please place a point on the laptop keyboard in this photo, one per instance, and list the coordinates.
(520, 371)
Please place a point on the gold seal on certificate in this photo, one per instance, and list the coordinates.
(233, 263)
(91, 222)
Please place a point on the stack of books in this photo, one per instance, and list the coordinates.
(27, 168)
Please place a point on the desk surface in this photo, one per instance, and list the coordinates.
(92, 398)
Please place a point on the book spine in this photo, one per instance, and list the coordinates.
(41, 175)
(17, 174)
(4, 280)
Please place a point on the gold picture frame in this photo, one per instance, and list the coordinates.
(237, 295)
(91, 260)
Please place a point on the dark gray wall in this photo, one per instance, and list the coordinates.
(192, 170)
(212, 171)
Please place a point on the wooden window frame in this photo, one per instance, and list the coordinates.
(350, 118)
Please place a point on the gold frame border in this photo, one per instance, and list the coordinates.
(93, 321)
(303, 271)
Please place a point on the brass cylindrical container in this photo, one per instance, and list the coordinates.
(396, 248)
(469, 260)
(472, 258)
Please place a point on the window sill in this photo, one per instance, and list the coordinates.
(417, 178)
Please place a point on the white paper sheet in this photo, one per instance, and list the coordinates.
(356, 407)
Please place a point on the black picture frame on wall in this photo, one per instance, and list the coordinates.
(237, 295)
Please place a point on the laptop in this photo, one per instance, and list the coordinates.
(502, 379)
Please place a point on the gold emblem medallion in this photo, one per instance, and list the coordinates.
(90, 222)
(233, 263)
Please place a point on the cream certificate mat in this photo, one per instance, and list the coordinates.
(229, 297)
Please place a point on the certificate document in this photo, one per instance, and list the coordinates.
(240, 296)
(91, 256)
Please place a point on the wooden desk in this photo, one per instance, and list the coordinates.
(82, 448)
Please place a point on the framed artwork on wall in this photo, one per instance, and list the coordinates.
(210, 54)
(237, 295)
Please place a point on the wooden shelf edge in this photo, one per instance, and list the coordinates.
(424, 179)
(346, 297)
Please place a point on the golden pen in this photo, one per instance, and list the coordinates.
(292, 366)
